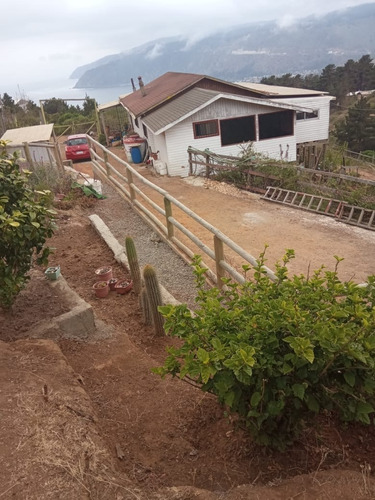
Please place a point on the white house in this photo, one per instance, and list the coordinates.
(178, 110)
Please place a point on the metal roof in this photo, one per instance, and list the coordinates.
(112, 104)
(177, 108)
(158, 91)
(36, 133)
(278, 91)
(195, 99)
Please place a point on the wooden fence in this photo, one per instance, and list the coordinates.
(34, 152)
(165, 214)
(214, 164)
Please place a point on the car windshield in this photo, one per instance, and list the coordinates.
(77, 142)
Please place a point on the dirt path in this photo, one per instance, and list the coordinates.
(252, 223)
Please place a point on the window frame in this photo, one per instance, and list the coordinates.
(277, 136)
(216, 121)
(239, 118)
(315, 112)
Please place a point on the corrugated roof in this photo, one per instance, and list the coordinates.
(179, 107)
(36, 133)
(191, 101)
(276, 90)
(158, 91)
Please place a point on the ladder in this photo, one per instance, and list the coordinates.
(357, 216)
(339, 209)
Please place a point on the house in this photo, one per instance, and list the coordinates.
(178, 110)
(40, 143)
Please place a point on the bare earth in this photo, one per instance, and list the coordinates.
(140, 436)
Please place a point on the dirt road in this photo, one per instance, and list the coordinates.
(252, 223)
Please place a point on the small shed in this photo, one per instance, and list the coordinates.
(35, 144)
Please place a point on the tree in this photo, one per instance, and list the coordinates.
(358, 128)
(25, 224)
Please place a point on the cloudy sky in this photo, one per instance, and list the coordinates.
(42, 40)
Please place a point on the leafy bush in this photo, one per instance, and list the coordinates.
(25, 224)
(278, 353)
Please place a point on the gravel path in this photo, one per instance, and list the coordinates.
(173, 272)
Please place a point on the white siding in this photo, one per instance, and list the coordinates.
(181, 136)
(313, 129)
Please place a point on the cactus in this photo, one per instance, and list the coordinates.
(145, 307)
(154, 298)
(133, 264)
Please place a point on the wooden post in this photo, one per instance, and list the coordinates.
(108, 170)
(219, 256)
(190, 162)
(168, 213)
(207, 165)
(129, 175)
(28, 154)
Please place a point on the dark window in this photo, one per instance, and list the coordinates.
(276, 124)
(300, 115)
(136, 122)
(237, 130)
(205, 129)
(145, 130)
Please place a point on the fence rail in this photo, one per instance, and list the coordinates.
(165, 214)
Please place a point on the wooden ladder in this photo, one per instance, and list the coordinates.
(339, 209)
(357, 216)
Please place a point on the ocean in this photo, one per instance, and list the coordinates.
(63, 89)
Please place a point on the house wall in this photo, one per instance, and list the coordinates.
(313, 129)
(181, 136)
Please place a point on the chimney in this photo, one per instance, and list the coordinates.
(133, 86)
(141, 86)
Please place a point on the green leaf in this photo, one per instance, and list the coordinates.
(349, 378)
(312, 404)
(14, 224)
(36, 224)
(364, 408)
(255, 399)
(298, 391)
(203, 356)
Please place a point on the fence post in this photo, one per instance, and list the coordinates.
(105, 155)
(190, 162)
(27, 154)
(219, 256)
(168, 213)
(207, 165)
(129, 175)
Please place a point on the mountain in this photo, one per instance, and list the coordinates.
(244, 52)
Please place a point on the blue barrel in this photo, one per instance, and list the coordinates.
(136, 154)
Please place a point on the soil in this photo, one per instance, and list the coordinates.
(166, 439)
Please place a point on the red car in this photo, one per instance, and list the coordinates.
(77, 148)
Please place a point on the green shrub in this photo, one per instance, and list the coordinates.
(25, 224)
(278, 353)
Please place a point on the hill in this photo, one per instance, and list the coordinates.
(244, 52)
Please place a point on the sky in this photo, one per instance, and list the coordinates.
(42, 41)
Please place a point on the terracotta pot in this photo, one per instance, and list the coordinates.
(124, 286)
(101, 289)
(104, 273)
(112, 283)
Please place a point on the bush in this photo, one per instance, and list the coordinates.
(278, 353)
(25, 224)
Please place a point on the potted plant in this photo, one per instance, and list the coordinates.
(101, 289)
(52, 272)
(112, 283)
(124, 286)
(104, 273)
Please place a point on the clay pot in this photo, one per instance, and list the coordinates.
(112, 283)
(104, 273)
(101, 289)
(124, 286)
